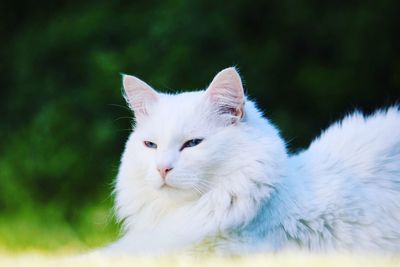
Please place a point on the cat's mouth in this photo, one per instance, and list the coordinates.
(166, 186)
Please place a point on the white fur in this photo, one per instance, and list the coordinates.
(240, 188)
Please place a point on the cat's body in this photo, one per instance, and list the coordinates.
(205, 168)
(341, 194)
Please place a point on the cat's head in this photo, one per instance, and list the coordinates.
(185, 144)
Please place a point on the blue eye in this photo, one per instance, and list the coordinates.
(150, 144)
(192, 142)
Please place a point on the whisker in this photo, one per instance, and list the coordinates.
(125, 117)
(120, 106)
(197, 190)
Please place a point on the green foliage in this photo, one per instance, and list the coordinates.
(63, 122)
(49, 230)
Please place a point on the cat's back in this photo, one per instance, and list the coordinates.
(365, 145)
(353, 169)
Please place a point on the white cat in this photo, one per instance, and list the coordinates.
(206, 168)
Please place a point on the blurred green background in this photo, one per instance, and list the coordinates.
(63, 121)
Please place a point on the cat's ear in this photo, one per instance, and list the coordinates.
(139, 95)
(226, 95)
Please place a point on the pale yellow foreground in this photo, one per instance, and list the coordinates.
(282, 260)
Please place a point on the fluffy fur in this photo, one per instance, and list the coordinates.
(239, 191)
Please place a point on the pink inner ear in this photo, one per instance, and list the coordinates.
(236, 112)
(139, 94)
(239, 112)
(226, 92)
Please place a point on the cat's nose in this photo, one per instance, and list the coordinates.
(164, 171)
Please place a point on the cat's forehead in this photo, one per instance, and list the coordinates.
(181, 101)
(176, 116)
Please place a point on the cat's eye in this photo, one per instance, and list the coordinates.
(191, 142)
(150, 144)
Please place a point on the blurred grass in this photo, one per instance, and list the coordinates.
(46, 230)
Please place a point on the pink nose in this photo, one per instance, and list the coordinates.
(164, 171)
